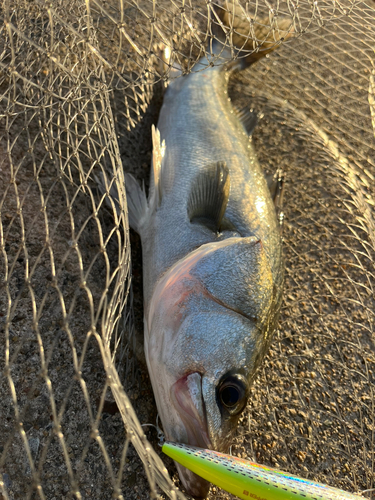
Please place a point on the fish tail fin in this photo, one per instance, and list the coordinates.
(251, 38)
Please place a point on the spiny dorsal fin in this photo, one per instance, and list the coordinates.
(209, 196)
(276, 186)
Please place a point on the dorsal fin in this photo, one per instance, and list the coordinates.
(209, 196)
(276, 186)
(248, 117)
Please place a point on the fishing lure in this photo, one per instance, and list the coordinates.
(249, 480)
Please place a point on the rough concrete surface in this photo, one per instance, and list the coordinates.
(310, 410)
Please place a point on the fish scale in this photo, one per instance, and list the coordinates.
(247, 479)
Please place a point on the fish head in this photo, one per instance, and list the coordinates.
(215, 360)
(207, 329)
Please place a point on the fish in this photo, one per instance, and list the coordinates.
(212, 251)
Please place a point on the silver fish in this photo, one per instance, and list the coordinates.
(212, 260)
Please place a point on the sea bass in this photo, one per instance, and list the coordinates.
(212, 257)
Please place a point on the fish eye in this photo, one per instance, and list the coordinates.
(232, 393)
(229, 396)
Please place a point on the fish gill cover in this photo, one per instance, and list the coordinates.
(80, 86)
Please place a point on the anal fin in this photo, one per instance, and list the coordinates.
(209, 196)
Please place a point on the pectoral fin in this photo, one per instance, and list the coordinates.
(209, 196)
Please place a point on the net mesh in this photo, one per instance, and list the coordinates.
(80, 85)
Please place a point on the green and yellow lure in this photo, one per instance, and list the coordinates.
(249, 480)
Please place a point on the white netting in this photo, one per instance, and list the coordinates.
(80, 86)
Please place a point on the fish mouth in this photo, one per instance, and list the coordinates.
(188, 400)
(194, 485)
(186, 395)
